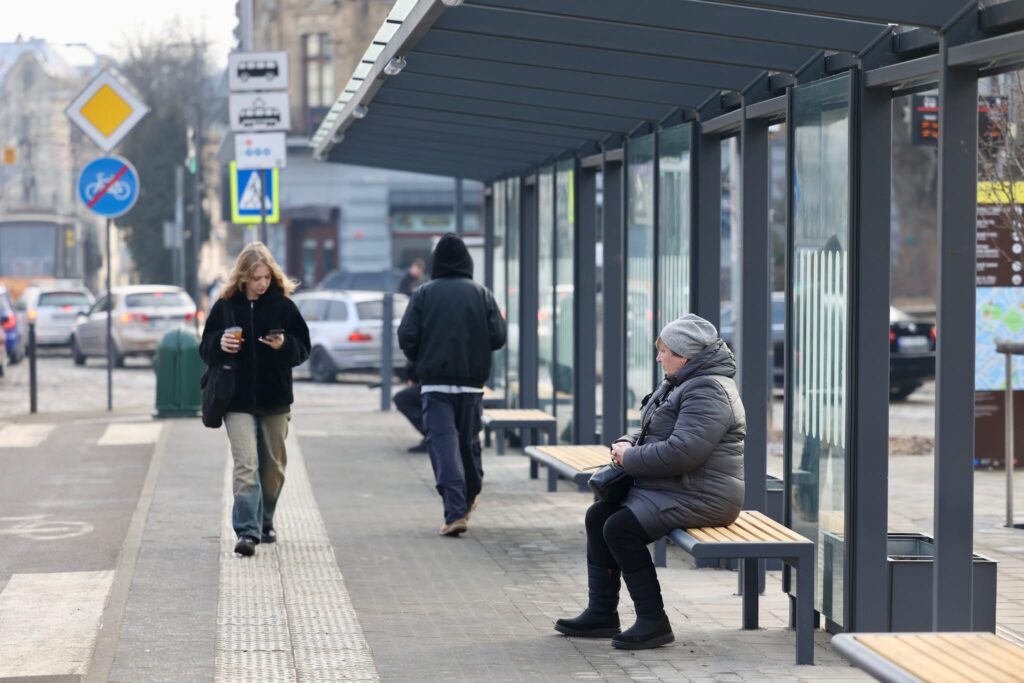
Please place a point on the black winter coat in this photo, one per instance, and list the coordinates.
(263, 383)
(452, 324)
(689, 468)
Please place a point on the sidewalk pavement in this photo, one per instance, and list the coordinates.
(359, 587)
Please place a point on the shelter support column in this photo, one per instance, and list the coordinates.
(585, 302)
(528, 292)
(954, 366)
(707, 232)
(613, 379)
(752, 319)
(489, 237)
(868, 467)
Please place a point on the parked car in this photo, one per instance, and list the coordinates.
(15, 332)
(911, 354)
(53, 308)
(364, 281)
(345, 332)
(911, 347)
(142, 314)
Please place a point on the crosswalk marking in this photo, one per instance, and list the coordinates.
(24, 435)
(49, 622)
(131, 434)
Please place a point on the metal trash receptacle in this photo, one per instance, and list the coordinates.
(178, 371)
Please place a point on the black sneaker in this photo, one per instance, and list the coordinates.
(269, 535)
(246, 547)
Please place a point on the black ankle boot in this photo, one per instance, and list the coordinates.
(651, 628)
(600, 619)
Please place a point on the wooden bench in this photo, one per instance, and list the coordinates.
(752, 537)
(493, 399)
(572, 462)
(500, 420)
(933, 657)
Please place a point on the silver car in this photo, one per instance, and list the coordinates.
(54, 308)
(345, 331)
(142, 315)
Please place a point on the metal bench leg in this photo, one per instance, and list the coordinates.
(534, 469)
(805, 609)
(661, 552)
(552, 479)
(750, 594)
(487, 437)
(553, 435)
(499, 435)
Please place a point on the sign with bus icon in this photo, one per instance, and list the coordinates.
(252, 71)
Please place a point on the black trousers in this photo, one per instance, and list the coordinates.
(453, 423)
(408, 403)
(615, 539)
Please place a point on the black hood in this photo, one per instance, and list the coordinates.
(451, 258)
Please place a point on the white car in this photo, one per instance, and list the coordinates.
(53, 308)
(345, 331)
(142, 315)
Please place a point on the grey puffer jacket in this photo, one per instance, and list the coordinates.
(689, 468)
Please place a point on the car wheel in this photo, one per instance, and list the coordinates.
(901, 393)
(76, 353)
(321, 367)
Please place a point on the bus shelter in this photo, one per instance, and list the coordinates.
(553, 103)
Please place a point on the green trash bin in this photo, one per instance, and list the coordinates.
(178, 371)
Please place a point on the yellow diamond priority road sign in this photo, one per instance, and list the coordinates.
(106, 110)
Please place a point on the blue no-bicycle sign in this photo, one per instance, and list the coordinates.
(109, 186)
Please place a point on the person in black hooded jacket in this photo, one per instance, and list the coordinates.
(449, 330)
(274, 339)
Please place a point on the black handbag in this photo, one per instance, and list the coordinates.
(610, 484)
(218, 383)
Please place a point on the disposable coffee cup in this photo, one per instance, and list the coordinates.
(235, 332)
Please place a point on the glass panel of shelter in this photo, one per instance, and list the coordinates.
(500, 210)
(514, 243)
(640, 213)
(673, 224)
(565, 273)
(546, 289)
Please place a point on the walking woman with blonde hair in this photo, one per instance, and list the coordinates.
(255, 324)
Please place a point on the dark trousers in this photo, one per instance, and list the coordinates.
(453, 423)
(409, 404)
(615, 539)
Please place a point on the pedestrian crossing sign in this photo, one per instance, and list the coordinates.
(246, 193)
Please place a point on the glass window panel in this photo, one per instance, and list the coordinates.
(326, 83)
(640, 351)
(546, 288)
(313, 45)
(821, 238)
(313, 84)
(499, 280)
(565, 199)
(514, 242)
(673, 224)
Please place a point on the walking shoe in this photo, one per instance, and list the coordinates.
(421, 447)
(269, 535)
(472, 508)
(454, 528)
(246, 547)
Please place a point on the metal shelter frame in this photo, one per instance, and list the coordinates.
(497, 89)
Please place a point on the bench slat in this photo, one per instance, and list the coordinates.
(511, 415)
(964, 663)
(948, 656)
(785, 533)
(581, 458)
(749, 530)
(773, 529)
(749, 527)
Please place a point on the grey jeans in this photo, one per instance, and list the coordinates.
(257, 448)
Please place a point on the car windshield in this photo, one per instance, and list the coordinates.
(157, 300)
(56, 299)
(374, 309)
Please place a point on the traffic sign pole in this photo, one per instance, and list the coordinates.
(110, 327)
(263, 206)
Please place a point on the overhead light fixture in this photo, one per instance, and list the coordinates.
(394, 66)
(338, 137)
(360, 111)
(451, 3)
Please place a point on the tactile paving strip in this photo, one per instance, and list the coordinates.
(285, 614)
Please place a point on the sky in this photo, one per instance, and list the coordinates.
(106, 24)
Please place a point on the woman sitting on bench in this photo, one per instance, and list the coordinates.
(687, 464)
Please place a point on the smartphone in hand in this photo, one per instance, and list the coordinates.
(273, 333)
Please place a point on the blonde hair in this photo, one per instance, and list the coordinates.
(256, 254)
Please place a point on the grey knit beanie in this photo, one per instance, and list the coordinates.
(689, 335)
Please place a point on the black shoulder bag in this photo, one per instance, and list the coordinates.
(611, 483)
(218, 382)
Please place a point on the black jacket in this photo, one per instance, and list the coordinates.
(263, 382)
(452, 324)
